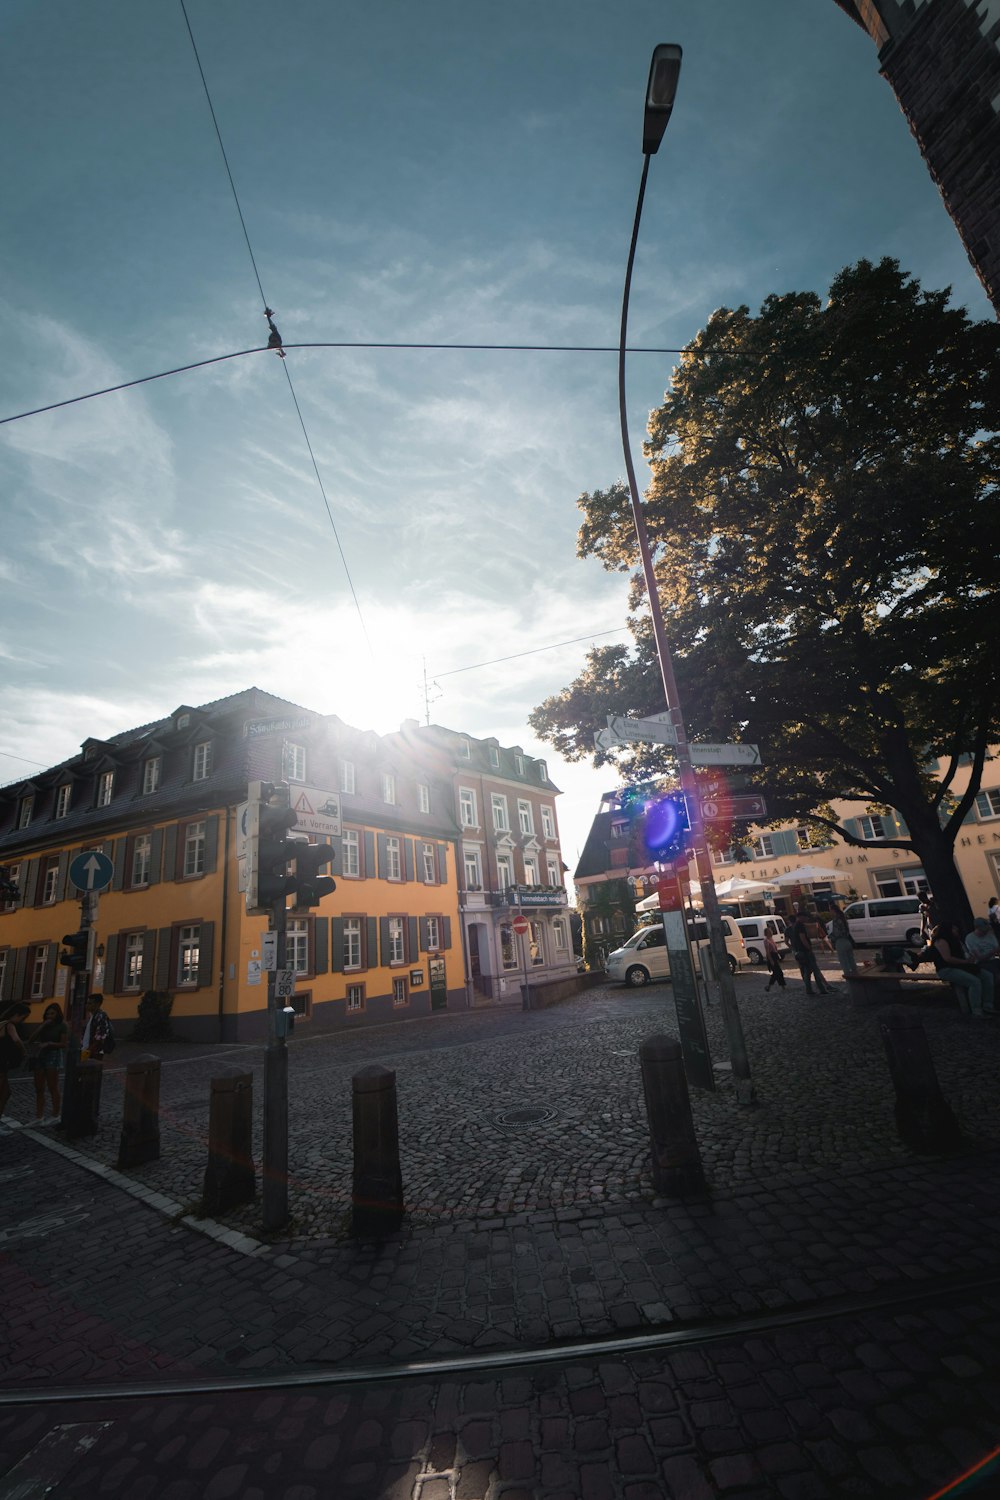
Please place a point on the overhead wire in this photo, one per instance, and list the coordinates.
(275, 342)
(592, 635)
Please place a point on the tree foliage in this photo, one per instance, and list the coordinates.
(823, 509)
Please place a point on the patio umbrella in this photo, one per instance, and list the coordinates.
(738, 886)
(809, 875)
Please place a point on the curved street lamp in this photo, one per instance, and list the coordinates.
(661, 90)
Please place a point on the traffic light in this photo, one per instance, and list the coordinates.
(667, 829)
(308, 884)
(79, 952)
(269, 848)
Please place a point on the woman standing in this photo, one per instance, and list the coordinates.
(773, 960)
(47, 1050)
(840, 936)
(11, 1046)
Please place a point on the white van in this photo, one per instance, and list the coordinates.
(644, 956)
(753, 931)
(887, 919)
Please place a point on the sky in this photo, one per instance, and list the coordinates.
(433, 173)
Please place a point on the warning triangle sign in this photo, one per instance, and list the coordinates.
(302, 804)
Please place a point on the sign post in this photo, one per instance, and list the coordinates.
(520, 925)
(690, 1020)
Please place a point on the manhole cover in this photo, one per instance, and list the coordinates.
(517, 1119)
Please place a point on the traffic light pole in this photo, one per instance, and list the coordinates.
(275, 1165)
(75, 1011)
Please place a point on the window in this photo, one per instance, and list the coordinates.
(464, 749)
(202, 761)
(150, 775)
(183, 720)
(355, 998)
(423, 797)
(352, 942)
(765, 846)
(433, 935)
(295, 762)
(542, 769)
(188, 954)
(430, 864)
(530, 870)
(105, 788)
(505, 871)
(194, 849)
(548, 823)
(62, 799)
(347, 776)
(13, 877)
(297, 945)
(37, 957)
(467, 807)
(132, 961)
(397, 953)
(473, 870)
(499, 805)
(4, 959)
(508, 948)
(400, 995)
(393, 869)
(534, 937)
(495, 757)
(519, 764)
(524, 817)
(388, 787)
(872, 828)
(559, 934)
(352, 852)
(25, 811)
(142, 858)
(553, 871)
(620, 828)
(50, 880)
(988, 804)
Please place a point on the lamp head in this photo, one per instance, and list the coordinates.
(661, 90)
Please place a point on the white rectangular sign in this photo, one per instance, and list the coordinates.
(316, 811)
(623, 731)
(269, 949)
(284, 984)
(253, 971)
(725, 755)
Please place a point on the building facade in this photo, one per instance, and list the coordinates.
(165, 802)
(509, 860)
(942, 60)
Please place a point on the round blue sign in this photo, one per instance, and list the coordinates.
(91, 871)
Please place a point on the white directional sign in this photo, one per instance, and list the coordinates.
(316, 811)
(622, 731)
(725, 755)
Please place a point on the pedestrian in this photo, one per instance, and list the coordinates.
(993, 916)
(983, 948)
(798, 937)
(947, 953)
(773, 960)
(98, 1034)
(46, 1055)
(928, 916)
(11, 1046)
(840, 936)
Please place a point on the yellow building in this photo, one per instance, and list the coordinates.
(165, 804)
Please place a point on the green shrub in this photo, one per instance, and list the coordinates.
(153, 1023)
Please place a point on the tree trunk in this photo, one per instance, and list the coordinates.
(937, 855)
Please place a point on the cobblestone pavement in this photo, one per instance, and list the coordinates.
(811, 1199)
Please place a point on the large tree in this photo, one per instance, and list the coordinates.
(825, 513)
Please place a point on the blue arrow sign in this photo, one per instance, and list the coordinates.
(91, 871)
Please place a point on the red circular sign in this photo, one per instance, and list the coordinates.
(520, 925)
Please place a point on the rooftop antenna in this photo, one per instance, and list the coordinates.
(430, 696)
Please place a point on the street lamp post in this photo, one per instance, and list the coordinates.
(660, 92)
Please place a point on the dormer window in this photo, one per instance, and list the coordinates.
(464, 749)
(202, 767)
(62, 799)
(105, 788)
(295, 762)
(25, 811)
(495, 757)
(519, 764)
(150, 775)
(542, 769)
(183, 721)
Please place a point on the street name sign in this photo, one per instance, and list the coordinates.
(725, 755)
(91, 871)
(316, 811)
(622, 731)
(724, 809)
(254, 728)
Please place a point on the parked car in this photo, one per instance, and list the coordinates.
(644, 956)
(753, 930)
(887, 919)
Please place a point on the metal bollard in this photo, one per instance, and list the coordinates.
(140, 1137)
(923, 1116)
(676, 1160)
(377, 1197)
(84, 1113)
(229, 1177)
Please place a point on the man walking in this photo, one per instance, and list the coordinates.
(798, 937)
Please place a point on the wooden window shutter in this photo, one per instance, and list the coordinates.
(155, 856)
(118, 858)
(7, 988)
(368, 867)
(164, 954)
(30, 882)
(206, 942)
(49, 977)
(321, 945)
(383, 934)
(112, 978)
(20, 973)
(442, 864)
(409, 863)
(336, 945)
(370, 956)
(423, 934)
(211, 844)
(148, 960)
(412, 942)
(381, 856)
(62, 875)
(445, 932)
(170, 852)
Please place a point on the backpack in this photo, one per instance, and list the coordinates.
(110, 1041)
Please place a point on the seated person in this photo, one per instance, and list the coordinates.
(981, 945)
